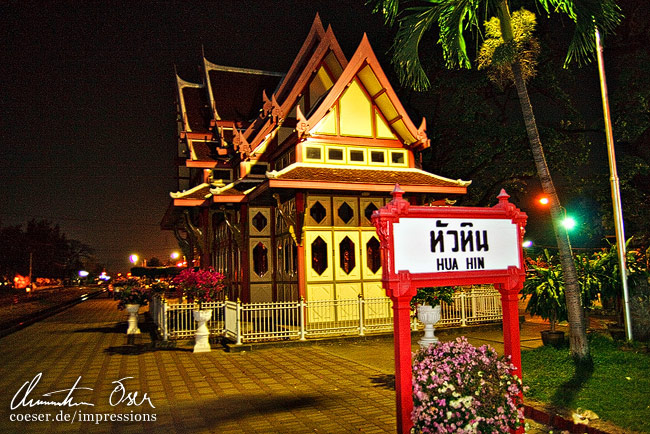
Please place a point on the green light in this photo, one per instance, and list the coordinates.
(569, 223)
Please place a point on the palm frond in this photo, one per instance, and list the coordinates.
(406, 59)
(587, 15)
(387, 8)
(456, 16)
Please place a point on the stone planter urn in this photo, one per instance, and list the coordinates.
(133, 309)
(429, 316)
(201, 337)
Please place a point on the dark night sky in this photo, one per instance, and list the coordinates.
(87, 99)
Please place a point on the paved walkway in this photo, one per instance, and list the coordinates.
(323, 388)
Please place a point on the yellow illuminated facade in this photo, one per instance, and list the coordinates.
(284, 205)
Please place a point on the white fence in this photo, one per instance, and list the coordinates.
(254, 322)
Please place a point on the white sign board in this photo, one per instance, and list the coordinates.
(433, 245)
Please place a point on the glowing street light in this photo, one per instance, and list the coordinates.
(175, 255)
(527, 244)
(134, 258)
(569, 223)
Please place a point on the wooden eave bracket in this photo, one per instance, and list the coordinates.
(195, 233)
(289, 220)
(302, 127)
(271, 108)
(235, 229)
(423, 141)
(266, 104)
(183, 242)
(241, 145)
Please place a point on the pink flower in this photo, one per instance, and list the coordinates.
(460, 388)
(200, 286)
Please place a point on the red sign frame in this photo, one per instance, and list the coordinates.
(401, 285)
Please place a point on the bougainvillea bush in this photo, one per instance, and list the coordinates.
(199, 286)
(458, 388)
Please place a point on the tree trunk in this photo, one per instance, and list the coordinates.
(553, 320)
(577, 332)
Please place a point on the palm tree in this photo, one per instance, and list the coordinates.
(452, 18)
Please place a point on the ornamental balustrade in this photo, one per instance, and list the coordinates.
(300, 320)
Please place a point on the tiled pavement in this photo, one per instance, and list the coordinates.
(312, 388)
(299, 389)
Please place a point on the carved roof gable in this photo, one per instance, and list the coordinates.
(364, 70)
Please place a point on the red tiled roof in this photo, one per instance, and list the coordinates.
(366, 176)
(197, 108)
(238, 93)
(202, 150)
(200, 193)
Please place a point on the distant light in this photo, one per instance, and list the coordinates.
(21, 282)
(134, 258)
(527, 244)
(569, 223)
(175, 255)
(83, 273)
(544, 200)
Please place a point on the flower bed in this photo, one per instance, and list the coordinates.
(458, 388)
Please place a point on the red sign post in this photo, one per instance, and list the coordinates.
(425, 246)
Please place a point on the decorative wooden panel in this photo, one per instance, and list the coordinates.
(315, 313)
(367, 205)
(319, 211)
(259, 221)
(261, 293)
(346, 211)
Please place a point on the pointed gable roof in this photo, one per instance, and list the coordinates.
(193, 105)
(236, 93)
(319, 46)
(315, 35)
(365, 66)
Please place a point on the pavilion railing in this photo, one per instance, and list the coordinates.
(300, 320)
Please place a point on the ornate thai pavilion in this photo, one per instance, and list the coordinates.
(279, 173)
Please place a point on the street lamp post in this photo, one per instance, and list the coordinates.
(616, 191)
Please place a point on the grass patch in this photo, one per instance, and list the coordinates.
(617, 387)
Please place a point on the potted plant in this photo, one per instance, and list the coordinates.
(611, 290)
(132, 296)
(427, 302)
(200, 287)
(544, 288)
